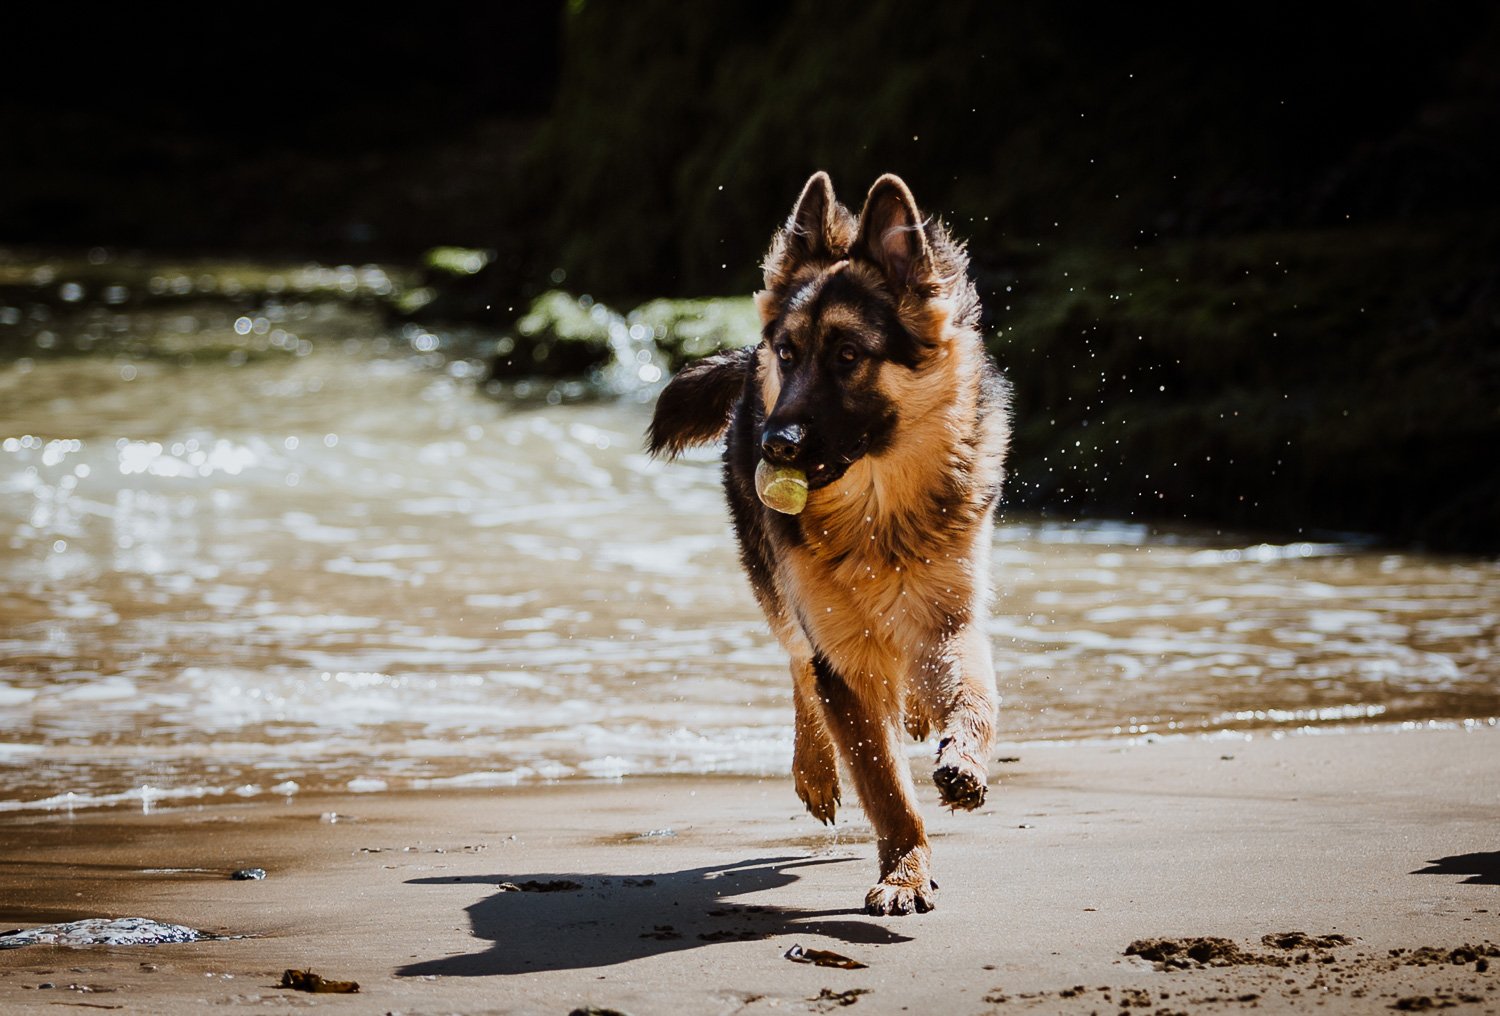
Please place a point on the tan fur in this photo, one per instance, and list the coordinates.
(880, 589)
(896, 604)
(767, 376)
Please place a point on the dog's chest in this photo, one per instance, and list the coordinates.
(872, 614)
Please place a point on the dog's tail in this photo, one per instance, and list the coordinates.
(694, 408)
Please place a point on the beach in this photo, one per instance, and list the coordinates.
(683, 894)
(478, 685)
(366, 646)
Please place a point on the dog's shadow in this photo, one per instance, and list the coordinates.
(1482, 868)
(569, 921)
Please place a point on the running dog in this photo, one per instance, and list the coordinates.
(870, 382)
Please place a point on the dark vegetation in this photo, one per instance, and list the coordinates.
(1243, 270)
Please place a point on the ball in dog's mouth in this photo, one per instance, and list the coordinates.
(781, 488)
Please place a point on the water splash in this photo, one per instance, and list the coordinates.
(296, 571)
(638, 368)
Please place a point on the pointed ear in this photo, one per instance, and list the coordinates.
(808, 234)
(891, 235)
(808, 225)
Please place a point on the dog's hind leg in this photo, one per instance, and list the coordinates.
(869, 742)
(959, 686)
(815, 763)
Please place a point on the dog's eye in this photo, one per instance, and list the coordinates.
(848, 353)
(784, 352)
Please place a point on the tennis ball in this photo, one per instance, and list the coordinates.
(781, 488)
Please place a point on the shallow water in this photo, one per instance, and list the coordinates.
(329, 561)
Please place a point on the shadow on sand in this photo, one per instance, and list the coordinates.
(1483, 868)
(610, 919)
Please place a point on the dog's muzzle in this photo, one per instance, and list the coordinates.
(781, 445)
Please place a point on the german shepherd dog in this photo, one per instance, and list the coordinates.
(872, 379)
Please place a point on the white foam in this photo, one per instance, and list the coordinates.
(101, 690)
(366, 785)
(146, 795)
(13, 696)
(107, 931)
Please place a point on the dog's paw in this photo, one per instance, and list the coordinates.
(915, 718)
(917, 725)
(816, 774)
(821, 796)
(815, 771)
(906, 886)
(896, 899)
(961, 780)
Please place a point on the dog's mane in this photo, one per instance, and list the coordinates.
(950, 271)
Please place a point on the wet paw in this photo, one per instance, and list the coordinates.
(914, 717)
(815, 772)
(821, 796)
(961, 780)
(888, 899)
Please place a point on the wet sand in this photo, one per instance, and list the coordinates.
(1390, 839)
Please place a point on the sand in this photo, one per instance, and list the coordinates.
(682, 895)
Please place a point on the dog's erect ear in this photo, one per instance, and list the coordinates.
(808, 234)
(891, 235)
(808, 225)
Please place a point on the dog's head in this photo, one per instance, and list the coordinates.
(854, 313)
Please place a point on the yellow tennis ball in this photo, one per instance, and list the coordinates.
(781, 488)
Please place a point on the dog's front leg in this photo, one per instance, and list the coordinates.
(958, 684)
(815, 764)
(870, 744)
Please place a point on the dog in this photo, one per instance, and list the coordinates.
(872, 379)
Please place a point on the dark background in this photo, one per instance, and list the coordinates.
(1242, 268)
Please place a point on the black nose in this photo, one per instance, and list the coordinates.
(780, 444)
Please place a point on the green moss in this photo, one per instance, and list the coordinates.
(458, 261)
(560, 335)
(561, 317)
(409, 302)
(687, 329)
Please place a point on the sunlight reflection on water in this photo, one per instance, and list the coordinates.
(341, 569)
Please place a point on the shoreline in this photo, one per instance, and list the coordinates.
(151, 798)
(675, 895)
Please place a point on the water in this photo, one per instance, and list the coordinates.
(247, 553)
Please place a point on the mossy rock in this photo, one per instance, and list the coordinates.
(560, 335)
(456, 261)
(685, 330)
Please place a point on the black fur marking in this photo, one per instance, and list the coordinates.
(694, 408)
(844, 414)
(759, 529)
(897, 344)
(830, 684)
(883, 433)
(847, 414)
